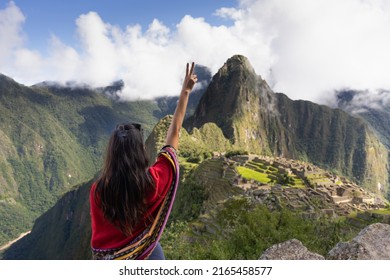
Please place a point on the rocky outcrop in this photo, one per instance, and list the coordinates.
(372, 243)
(290, 250)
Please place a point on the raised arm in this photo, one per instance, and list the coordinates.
(178, 117)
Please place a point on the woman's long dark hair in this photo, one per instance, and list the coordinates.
(124, 181)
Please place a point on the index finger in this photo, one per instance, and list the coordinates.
(192, 68)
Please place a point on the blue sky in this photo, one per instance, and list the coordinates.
(305, 49)
(46, 17)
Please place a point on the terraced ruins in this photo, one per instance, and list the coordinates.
(281, 182)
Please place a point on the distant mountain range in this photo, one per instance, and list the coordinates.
(52, 138)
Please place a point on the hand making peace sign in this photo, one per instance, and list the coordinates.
(190, 79)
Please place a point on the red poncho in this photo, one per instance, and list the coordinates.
(105, 235)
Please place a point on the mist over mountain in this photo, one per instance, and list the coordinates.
(373, 107)
(49, 132)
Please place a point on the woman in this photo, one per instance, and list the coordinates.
(130, 201)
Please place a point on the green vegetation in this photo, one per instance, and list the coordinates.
(317, 178)
(245, 231)
(201, 143)
(248, 173)
(286, 180)
(10, 213)
(298, 182)
(189, 190)
(189, 201)
(381, 211)
(268, 174)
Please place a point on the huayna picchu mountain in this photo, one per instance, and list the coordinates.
(260, 121)
(237, 114)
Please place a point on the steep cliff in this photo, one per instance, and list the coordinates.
(255, 118)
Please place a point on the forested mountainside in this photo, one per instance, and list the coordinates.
(52, 137)
(237, 114)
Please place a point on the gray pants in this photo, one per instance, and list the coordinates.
(157, 253)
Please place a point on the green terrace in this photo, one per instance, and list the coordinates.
(267, 174)
(385, 211)
(319, 178)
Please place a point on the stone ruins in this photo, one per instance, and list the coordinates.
(323, 192)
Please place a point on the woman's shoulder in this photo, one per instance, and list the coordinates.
(169, 149)
(164, 168)
(166, 159)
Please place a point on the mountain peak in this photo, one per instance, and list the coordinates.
(233, 96)
(239, 61)
(237, 64)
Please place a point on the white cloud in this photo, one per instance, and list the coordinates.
(362, 100)
(62, 60)
(229, 13)
(11, 34)
(325, 45)
(312, 48)
(99, 56)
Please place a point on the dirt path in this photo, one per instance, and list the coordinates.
(13, 241)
